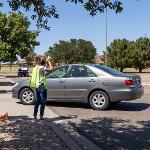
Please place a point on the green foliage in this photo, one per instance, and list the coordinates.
(124, 53)
(118, 54)
(29, 58)
(42, 12)
(73, 51)
(140, 53)
(15, 37)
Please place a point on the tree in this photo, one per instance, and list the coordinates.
(41, 12)
(15, 37)
(73, 51)
(141, 53)
(29, 58)
(118, 54)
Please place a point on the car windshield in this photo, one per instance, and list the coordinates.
(109, 70)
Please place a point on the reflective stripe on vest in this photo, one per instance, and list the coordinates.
(35, 78)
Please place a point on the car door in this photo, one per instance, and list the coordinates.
(56, 83)
(79, 81)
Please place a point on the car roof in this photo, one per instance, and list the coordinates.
(88, 64)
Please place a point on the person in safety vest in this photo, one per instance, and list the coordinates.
(38, 81)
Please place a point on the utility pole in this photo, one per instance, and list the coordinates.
(106, 59)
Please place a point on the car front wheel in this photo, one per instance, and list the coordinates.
(27, 96)
(99, 100)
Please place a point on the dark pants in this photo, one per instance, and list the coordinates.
(41, 96)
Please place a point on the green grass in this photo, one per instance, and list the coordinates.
(136, 70)
(5, 70)
(5, 73)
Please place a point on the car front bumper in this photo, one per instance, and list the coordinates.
(126, 94)
(14, 93)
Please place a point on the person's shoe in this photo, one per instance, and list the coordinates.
(35, 117)
(41, 118)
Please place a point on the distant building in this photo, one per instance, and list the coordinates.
(99, 59)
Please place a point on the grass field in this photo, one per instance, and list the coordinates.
(5, 70)
(135, 70)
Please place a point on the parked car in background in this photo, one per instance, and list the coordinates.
(95, 84)
(23, 71)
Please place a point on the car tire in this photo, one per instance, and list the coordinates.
(27, 96)
(99, 100)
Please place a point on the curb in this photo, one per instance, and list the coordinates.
(69, 135)
(64, 136)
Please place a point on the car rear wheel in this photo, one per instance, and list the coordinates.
(99, 100)
(27, 96)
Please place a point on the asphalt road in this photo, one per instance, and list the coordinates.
(123, 126)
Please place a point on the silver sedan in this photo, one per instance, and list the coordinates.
(95, 84)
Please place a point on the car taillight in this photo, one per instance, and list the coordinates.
(129, 82)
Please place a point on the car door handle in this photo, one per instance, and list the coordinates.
(92, 80)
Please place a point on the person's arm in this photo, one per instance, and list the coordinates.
(49, 66)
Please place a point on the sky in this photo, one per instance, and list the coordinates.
(75, 22)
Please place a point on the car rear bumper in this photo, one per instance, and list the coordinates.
(127, 94)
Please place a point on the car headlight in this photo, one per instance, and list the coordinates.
(16, 84)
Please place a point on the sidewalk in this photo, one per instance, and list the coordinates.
(23, 132)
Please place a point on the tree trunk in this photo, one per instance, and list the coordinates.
(121, 69)
(140, 70)
(0, 65)
(10, 65)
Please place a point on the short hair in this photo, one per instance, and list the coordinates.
(43, 60)
(37, 59)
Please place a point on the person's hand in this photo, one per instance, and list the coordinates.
(48, 59)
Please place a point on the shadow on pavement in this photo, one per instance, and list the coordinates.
(19, 102)
(6, 84)
(5, 91)
(69, 104)
(128, 106)
(11, 76)
(123, 106)
(115, 134)
(26, 133)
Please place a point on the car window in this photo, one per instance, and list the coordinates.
(59, 72)
(108, 70)
(90, 73)
(81, 71)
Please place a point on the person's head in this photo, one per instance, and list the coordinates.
(43, 60)
(37, 60)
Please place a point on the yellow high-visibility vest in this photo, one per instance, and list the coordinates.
(35, 78)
